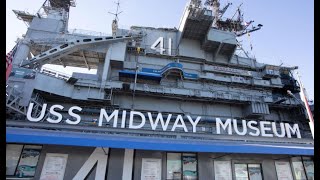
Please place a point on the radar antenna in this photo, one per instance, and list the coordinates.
(116, 19)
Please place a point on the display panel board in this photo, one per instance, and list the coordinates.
(174, 166)
(189, 166)
(151, 169)
(23, 73)
(283, 170)
(54, 166)
(222, 170)
(255, 171)
(28, 161)
(241, 171)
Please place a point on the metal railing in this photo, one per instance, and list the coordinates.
(54, 73)
(87, 32)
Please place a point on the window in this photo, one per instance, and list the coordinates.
(22, 160)
(298, 169)
(182, 166)
(283, 170)
(222, 170)
(174, 164)
(189, 166)
(309, 167)
(255, 172)
(248, 171)
(302, 168)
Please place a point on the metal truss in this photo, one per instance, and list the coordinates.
(59, 51)
(14, 97)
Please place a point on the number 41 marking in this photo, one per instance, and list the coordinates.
(160, 42)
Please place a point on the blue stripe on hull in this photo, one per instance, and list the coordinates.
(32, 136)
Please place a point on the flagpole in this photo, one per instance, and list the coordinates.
(304, 99)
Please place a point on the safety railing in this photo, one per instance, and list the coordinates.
(54, 73)
(87, 32)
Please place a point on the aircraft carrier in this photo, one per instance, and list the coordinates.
(165, 103)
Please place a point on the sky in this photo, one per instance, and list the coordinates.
(287, 35)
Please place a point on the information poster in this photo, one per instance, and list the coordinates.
(189, 162)
(151, 169)
(283, 170)
(174, 166)
(255, 171)
(308, 165)
(241, 171)
(298, 170)
(23, 73)
(222, 170)
(28, 161)
(12, 157)
(54, 166)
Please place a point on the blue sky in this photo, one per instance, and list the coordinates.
(287, 35)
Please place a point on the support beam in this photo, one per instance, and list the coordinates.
(68, 48)
(22, 53)
(61, 62)
(234, 50)
(85, 59)
(127, 164)
(217, 51)
(99, 157)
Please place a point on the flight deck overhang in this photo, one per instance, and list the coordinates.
(81, 44)
(195, 23)
(24, 16)
(220, 42)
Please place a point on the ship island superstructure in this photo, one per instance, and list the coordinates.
(160, 96)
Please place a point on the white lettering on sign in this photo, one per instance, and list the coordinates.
(29, 112)
(160, 42)
(114, 115)
(49, 119)
(71, 113)
(159, 118)
(138, 120)
(181, 125)
(143, 120)
(194, 123)
(224, 126)
(274, 129)
(257, 131)
(293, 130)
(264, 128)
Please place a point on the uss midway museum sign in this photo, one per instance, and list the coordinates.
(252, 128)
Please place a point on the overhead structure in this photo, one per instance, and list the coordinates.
(234, 24)
(166, 103)
(61, 4)
(24, 16)
(57, 52)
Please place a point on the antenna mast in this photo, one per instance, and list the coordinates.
(238, 25)
(116, 19)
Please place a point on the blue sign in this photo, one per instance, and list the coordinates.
(168, 67)
(157, 73)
